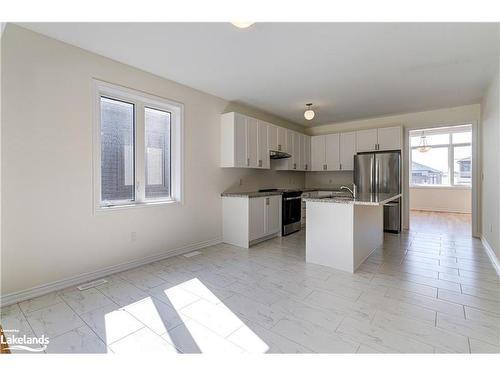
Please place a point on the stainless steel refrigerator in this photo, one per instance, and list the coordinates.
(380, 172)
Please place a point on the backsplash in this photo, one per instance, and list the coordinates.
(328, 179)
(243, 180)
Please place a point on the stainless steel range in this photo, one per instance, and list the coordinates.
(291, 212)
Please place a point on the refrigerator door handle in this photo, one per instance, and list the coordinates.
(376, 174)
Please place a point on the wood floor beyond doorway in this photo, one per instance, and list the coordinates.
(441, 222)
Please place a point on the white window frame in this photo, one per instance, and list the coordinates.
(141, 101)
(451, 163)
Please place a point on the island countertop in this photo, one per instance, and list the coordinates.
(364, 199)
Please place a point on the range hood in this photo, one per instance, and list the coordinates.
(274, 155)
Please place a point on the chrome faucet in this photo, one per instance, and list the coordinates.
(349, 190)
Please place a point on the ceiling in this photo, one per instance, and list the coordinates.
(348, 70)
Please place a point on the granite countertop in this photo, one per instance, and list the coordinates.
(255, 194)
(362, 199)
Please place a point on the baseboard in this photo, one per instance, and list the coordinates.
(441, 210)
(491, 254)
(54, 286)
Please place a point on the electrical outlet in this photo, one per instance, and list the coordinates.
(133, 236)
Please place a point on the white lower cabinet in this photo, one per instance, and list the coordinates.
(250, 220)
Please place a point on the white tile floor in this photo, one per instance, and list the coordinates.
(418, 293)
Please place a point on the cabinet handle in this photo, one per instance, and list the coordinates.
(324, 167)
(294, 165)
(279, 147)
(305, 167)
(260, 163)
(248, 161)
(340, 166)
(267, 201)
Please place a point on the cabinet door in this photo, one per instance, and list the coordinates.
(307, 153)
(252, 143)
(390, 138)
(240, 141)
(263, 160)
(332, 152)
(257, 219)
(272, 137)
(273, 214)
(347, 151)
(366, 140)
(289, 148)
(296, 151)
(302, 164)
(318, 153)
(282, 146)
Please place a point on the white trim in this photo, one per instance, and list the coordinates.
(54, 286)
(491, 255)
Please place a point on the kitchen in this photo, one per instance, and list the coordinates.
(248, 190)
(256, 216)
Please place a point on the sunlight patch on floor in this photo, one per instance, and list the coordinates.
(202, 325)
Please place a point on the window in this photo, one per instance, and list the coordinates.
(447, 160)
(137, 155)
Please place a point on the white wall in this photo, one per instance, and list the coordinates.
(48, 226)
(490, 150)
(467, 114)
(441, 199)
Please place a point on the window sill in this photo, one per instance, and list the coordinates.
(121, 207)
(444, 187)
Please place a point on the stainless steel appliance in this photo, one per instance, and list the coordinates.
(380, 172)
(291, 209)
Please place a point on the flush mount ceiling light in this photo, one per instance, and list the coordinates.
(423, 146)
(309, 113)
(242, 25)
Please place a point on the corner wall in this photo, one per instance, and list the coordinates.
(490, 150)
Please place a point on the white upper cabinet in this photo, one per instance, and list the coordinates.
(297, 152)
(325, 153)
(390, 138)
(252, 143)
(318, 153)
(366, 140)
(272, 137)
(238, 133)
(307, 153)
(332, 152)
(347, 151)
(263, 160)
(282, 139)
(380, 139)
(244, 142)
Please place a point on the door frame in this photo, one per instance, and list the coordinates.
(475, 196)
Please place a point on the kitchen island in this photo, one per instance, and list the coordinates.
(341, 232)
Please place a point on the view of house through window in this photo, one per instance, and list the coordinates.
(441, 156)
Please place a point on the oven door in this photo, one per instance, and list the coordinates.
(292, 212)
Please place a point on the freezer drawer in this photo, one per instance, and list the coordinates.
(392, 217)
